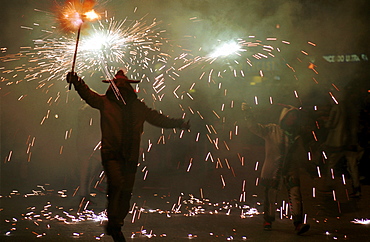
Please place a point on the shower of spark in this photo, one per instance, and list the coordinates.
(74, 13)
(132, 45)
(138, 47)
(236, 52)
(107, 46)
(226, 49)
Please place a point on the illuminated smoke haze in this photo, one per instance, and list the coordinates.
(192, 28)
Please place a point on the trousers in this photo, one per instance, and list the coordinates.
(120, 183)
(292, 184)
(352, 158)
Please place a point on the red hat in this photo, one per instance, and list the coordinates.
(120, 76)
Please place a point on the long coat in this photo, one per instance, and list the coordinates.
(343, 126)
(283, 155)
(122, 125)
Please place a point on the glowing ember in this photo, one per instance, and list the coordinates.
(74, 14)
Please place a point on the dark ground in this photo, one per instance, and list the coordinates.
(51, 215)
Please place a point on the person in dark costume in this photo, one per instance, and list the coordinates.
(122, 116)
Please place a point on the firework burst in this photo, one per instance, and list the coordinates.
(74, 13)
(107, 46)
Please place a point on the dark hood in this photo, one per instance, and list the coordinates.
(127, 92)
(284, 114)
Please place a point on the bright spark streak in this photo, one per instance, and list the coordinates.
(334, 99)
(197, 138)
(200, 115)
(174, 91)
(214, 112)
(190, 164)
(216, 144)
(10, 155)
(182, 133)
(227, 164)
(223, 181)
(242, 197)
(145, 175)
(227, 147)
(332, 173)
(209, 155)
(179, 201)
(133, 217)
(256, 166)
(318, 171)
(97, 146)
(324, 154)
(149, 146)
(281, 212)
(295, 93)
(361, 221)
(336, 88)
(314, 135)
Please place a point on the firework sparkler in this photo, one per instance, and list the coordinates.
(135, 45)
(73, 16)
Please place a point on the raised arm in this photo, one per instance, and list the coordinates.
(251, 122)
(155, 118)
(92, 98)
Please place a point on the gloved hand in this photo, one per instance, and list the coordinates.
(185, 125)
(72, 77)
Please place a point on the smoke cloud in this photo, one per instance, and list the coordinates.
(337, 27)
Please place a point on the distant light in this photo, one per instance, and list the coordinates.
(226, 49)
